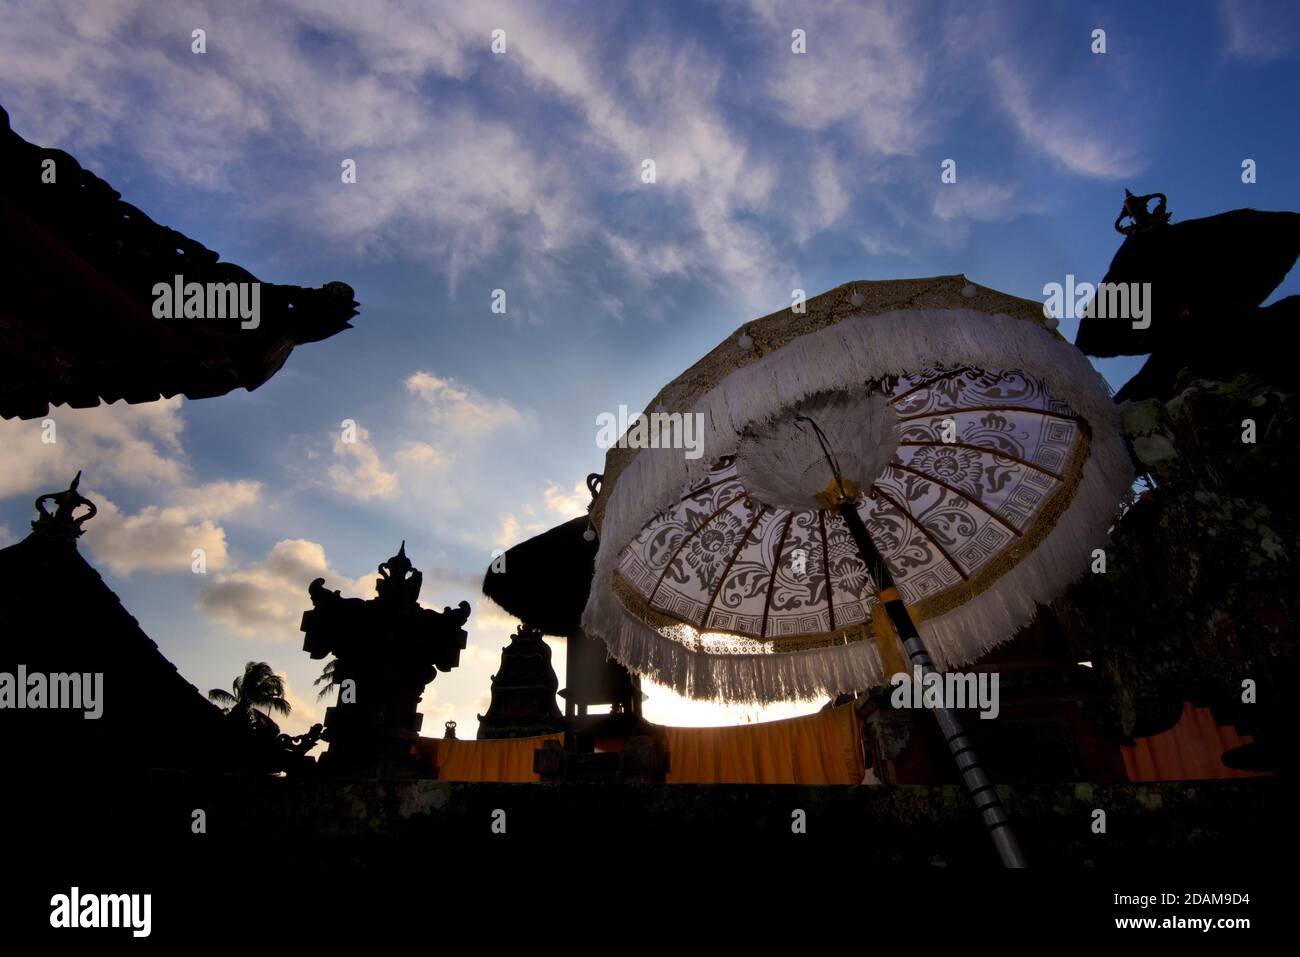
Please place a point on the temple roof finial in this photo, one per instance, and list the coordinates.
(1135, 210)
(398, 578)
(63, 524)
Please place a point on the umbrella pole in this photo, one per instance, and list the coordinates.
(982, 791)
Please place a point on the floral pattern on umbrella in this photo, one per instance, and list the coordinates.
(980, 454)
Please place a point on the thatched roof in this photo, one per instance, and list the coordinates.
(57, 616)
(547, 578)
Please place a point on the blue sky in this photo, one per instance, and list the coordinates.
(521, 171)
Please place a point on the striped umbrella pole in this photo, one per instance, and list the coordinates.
(982, 791)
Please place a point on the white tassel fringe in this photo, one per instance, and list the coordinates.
(853, 351)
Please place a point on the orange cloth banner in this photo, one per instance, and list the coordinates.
(820, 748)
(1189, 751)
(496, 759)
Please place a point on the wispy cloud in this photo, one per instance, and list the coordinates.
(1259, 29)
(139, 445)
(265, 599)
(567, 504)
(361, 473)
(865, 69)
(458, 410)
(169, 538)
(1078, 137)
(975, 200)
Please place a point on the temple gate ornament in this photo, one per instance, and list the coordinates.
(64, 524)
(1140, 218)
(387, 649)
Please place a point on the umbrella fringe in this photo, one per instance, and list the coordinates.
(738, 678)
(856, 350)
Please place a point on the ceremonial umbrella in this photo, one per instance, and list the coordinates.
(927, 452)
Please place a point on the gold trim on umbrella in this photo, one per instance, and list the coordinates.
(946, 413)
(660, 620)
(1044, 520)
(773, 331)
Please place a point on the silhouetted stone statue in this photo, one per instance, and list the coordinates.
(387, 650)
(1140, 219)
(293, 749)
(1202, 282)
(64, 524)
(523, 690)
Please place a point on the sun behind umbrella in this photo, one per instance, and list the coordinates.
(981, 450)
(903, 456)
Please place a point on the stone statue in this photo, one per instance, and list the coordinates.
(1135, 210)
(386, 649)
(63, 523)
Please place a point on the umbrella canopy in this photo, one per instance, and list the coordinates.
(981, 451)
(546, 579)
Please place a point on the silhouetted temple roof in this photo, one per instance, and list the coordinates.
(77, 322)
(1207, 276)
(57, 616)
(547, 578)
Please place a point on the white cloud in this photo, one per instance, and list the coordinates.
(1083, 141)
(567, 504)
(457, 409)
(832, 198)
(882, 246)
(135, 444)
(422, 455)
(974, 200)
(648, 260)
(513, 529)
(133, 448)
(162, 539)
(361, 474)
(461, 211)
(864, 70)
(266, 599)
(423, 190)
(490, 622)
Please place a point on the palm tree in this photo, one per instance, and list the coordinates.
(327, 678)
(258, 692)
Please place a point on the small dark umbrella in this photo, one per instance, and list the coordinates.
(545, 582)
(546, 579)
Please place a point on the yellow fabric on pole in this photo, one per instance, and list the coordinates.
(498, 759)
(820, 748)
